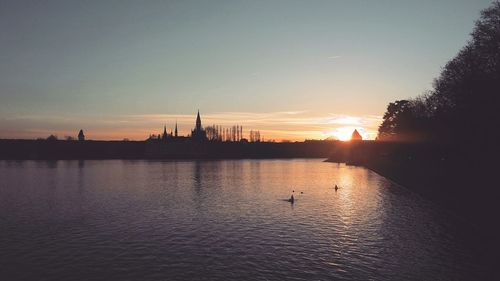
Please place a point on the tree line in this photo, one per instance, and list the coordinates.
(230, 134)
(463, 105)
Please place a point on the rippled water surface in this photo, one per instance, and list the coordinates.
(215, 220)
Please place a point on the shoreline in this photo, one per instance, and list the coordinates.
(449, 176)
(99, 150)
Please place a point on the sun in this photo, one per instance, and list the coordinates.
(343, 133)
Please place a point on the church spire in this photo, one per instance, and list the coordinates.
(198, 133)
(176, 135)
(198, 122)
(164, 136)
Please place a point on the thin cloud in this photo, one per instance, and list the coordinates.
(346, 120)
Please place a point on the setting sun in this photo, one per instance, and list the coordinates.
(345, 133)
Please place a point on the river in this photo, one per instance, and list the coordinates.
(223, 220)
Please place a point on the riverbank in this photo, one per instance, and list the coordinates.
(62, 149)
(451, 176)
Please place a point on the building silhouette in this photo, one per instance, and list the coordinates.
(198, 133)
(164, 136)
(209, 133)
(356, 136)
(81, 136)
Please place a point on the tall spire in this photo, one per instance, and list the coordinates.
(198, 133)
(176, 128)
(164, 136)
(198, 122)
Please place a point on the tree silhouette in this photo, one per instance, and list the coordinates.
(465, 98)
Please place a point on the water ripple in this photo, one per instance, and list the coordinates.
(220, 220)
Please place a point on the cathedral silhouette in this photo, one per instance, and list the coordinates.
(213, 133)
(197, 134)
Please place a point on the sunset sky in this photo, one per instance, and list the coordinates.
(294, 70)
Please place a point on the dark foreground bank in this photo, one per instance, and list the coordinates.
(455, 177)
(61, 149)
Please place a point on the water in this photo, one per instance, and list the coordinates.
(222, 220)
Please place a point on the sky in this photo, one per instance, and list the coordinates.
(294, 70)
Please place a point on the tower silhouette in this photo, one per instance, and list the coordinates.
(198, 133)
(198, 122)
(164, 136)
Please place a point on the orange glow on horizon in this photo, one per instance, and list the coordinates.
(136, 134)
(287, 126)
(345, 133)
